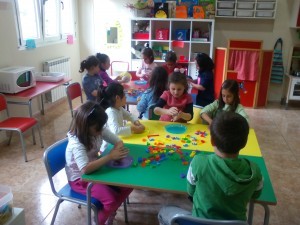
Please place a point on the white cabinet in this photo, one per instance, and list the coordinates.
(292, 77)
(263, 9)
(186, 37)
(295, 14)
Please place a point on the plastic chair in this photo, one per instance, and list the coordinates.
(191, 220)
(196, 118)
(18, 124)
(121, 65)
(172, 215)
(133, 75)
(73, 91)
(54, 160)
(152, 115)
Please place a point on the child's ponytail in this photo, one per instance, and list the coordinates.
(102, 97)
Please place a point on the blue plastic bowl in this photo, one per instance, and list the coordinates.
(175, 128)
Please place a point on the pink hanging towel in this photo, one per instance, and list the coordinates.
(245, 63)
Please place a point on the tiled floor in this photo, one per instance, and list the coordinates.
(277, 130)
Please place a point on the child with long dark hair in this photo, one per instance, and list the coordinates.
(229, 100)
(204, 83)
(112, 98)
(85, 138)
(157, 85)
(104, 64)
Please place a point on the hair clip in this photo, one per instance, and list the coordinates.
(181, 70)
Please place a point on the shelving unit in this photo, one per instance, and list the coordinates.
(261, 9)
(194, 35)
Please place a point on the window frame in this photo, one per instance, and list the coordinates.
(40, 17)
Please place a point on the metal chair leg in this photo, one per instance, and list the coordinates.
(23, 146)
(39, 130)
(33, 135)
(125, 211)
(56, 210)
(10, 136)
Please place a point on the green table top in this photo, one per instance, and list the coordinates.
(167, 176)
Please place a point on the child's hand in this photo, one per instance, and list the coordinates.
(192, 84)
(177, 117)
(119, 151)
(118, 78)
(190, 80)
(173, 111)
(137, 123)
(137, 129)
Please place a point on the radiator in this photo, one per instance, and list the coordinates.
(63, 65)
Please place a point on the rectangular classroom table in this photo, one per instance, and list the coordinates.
(169, 175)
(198, 134)
(25, 97)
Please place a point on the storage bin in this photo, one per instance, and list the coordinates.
(266, 14)
(225, 12)
(245, 5)
(244, 13)
(181, 34)
(162, 34)
(226, 5)
(49, 76)
(140, 35)
(265, 5)
(6, 201)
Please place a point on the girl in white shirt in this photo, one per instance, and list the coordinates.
(112, 98)
(85, 139)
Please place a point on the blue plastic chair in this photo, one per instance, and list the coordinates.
(54, 159)
(172, 215)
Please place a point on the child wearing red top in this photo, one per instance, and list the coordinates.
(176, 104)
(170, 65)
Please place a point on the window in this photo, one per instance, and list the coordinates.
(45, 21)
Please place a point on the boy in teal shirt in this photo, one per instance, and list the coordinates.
(221, 184)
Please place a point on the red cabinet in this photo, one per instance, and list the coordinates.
(252, 72)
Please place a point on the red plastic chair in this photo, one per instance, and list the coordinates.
(133, 75)
(74, 91)
(19, 124)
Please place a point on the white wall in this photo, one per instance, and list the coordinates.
(10, 55)
(107, 11)
(267, 30)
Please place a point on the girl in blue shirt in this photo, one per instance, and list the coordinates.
(157, 85)
(91, 81)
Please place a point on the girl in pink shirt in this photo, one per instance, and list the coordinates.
(148, 64)
(175, 104)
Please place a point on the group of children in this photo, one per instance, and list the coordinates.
(101, 120)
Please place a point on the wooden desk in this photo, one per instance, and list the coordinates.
(154, 127)
(166, 177)
(25, 97)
